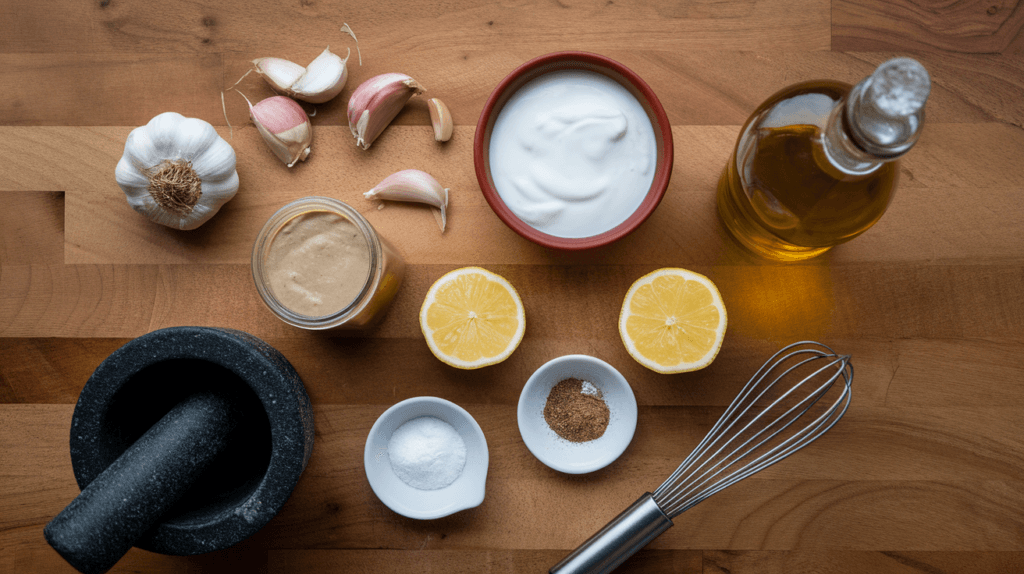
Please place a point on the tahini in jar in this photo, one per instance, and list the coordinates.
(318, 264)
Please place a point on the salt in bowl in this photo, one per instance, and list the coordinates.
(468, 489)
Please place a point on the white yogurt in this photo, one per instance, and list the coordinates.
(572, 153)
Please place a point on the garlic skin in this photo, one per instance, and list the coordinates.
(285, 127)
(376, 102)
(441, 119)
(320, 81)
(416, 186)
(177, 171)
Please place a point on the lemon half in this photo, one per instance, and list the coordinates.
(472, 318)
(673, 321)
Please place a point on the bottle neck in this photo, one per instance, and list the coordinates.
(881, 118)
(842, 149)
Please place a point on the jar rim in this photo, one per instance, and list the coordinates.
(285, 214)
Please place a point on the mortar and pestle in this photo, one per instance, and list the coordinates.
(185, 440)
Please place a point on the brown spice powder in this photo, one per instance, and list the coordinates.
(575, 415)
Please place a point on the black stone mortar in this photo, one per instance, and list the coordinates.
(148, 387)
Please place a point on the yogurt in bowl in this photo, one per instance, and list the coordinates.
(572, 153)
(573, 150)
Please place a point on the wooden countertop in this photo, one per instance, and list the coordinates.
(924, 474)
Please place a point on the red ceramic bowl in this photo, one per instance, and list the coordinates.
(573, 61)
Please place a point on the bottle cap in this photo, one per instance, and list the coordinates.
(899, 87)
(886, 110)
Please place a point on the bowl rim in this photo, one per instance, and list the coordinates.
(554, 462)
(654, 195)
(386, 497)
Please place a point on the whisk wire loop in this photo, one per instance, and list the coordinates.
(707, 470)
(737, 403)
(812, 399)
(714, 436)
(776, 454)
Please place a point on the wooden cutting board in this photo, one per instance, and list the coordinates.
(924, 474)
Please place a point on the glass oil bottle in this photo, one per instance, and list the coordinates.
(817, 163)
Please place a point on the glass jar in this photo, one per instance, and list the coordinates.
(386, 268)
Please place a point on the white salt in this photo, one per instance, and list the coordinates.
(427, 453)
(590, 389)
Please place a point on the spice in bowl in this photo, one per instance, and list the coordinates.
(427, 453)
(576, 411)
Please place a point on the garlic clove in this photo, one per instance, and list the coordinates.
(129, 171)
(441, 119)
(215, 163)
(324, 78)
(415, 186)
(162, 132)
(376, 102)
(278, 72)
(320, 81)
(194, 138)
(129, 176)
(284, 126)
(223, 188)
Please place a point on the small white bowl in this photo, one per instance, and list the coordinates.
(468, 489)
(577, 457)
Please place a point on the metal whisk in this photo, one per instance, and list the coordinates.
(791, 401)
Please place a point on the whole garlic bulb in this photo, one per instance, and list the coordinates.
(177, 171)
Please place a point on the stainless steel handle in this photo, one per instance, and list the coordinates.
(618, 540)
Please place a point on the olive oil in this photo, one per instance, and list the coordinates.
(808, 173)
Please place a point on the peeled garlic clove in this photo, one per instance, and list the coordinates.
(413, 185)
(441, 119)
(284, 126)
(278, 72)
(317, 83)
(376, 102)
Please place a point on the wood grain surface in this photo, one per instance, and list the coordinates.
(925, 474)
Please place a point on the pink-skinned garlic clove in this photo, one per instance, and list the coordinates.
(376, 102)
(416, 186)
(285, 127)
(440, 119)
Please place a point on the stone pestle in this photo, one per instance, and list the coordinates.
(135, 492)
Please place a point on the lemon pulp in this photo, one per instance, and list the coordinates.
(673, 320)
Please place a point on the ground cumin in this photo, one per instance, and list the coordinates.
(574, 415)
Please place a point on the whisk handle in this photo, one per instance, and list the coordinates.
(628, 532)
